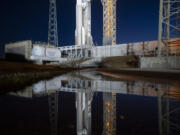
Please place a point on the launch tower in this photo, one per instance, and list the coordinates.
(109, 22)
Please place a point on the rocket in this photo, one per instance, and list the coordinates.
(83, 23)
(79, 26)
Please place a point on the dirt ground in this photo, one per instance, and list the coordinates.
(130, 74)
(16, 76)
(10, 67)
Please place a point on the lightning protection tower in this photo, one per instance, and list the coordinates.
(169, 12)
(52, 31)
(109, 22)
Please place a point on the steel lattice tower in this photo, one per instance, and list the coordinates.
(52, 31)
(168, 28)
(109, 22)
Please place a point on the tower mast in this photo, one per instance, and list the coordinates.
(109, 22)
(168, 28)
(52, 30)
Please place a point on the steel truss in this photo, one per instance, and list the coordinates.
(76, 51)
(52, 31)
(169, 26)
(109, 22)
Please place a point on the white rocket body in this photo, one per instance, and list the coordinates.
(83, 23)
(83, 37)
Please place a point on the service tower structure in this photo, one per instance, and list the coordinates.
(109, 22)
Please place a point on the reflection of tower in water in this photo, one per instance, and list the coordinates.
(109, 116)
(53, 112)
(168, 112)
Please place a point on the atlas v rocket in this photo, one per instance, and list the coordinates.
(83, 38)
(83, 35)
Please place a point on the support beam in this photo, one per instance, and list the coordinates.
(168, 11)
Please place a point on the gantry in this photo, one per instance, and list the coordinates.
(109, 22)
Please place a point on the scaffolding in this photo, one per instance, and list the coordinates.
(109, 22)
(169, 26)
(52, 31)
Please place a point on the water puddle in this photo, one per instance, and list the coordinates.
(88, 103)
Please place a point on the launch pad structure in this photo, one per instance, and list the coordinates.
(167, 47)
(164, 53)
(109, 22)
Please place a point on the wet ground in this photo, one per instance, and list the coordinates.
(89, 103)
(18, 75)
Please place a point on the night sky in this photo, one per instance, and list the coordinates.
(28, 20)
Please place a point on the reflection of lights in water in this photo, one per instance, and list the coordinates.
(108, 103)
(122, 117)
(63, 83)
(108, 110)
(109, 113)
(107, 124)
(39, 87)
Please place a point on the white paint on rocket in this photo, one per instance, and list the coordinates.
(83, 23)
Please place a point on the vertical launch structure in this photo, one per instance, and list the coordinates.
(83, 38)
(83, 35)
(109, 22)
(109, 38)
(53, 40)
(52, 30)
(169, 27)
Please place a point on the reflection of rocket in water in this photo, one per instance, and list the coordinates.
(53, 112)
(83, 107)
(109, 115)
